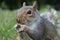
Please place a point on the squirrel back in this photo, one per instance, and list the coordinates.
(51, 15)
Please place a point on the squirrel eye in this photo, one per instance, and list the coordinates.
(29, 12)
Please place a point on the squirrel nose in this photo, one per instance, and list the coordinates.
(18, 26)
(18, 20)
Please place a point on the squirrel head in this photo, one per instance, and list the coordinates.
(26, 14)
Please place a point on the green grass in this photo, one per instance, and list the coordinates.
(58, 22)
(7, 22)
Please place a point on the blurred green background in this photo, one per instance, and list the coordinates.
(8, 10)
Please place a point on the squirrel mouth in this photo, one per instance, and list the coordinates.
(22, 23)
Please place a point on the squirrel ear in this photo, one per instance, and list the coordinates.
(24, 4)
(35, 5)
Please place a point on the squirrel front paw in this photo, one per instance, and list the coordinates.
(21, 28)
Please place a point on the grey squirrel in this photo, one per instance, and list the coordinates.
(29, 21)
